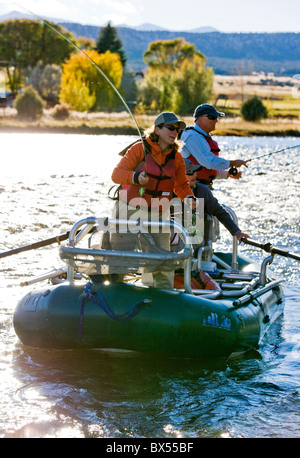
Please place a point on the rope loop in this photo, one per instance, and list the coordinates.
(99, 300)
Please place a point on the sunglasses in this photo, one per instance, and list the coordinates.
(172, 128)
(211, 118)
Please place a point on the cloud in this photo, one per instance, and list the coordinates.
(88, 11)
(126, 7)
(103, 11)
(38, 7)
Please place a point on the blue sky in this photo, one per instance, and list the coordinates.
(224, 15)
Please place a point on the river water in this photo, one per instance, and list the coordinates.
(48, 182)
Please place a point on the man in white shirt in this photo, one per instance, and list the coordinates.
(200, 148)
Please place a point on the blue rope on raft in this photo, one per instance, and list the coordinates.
(99, 300)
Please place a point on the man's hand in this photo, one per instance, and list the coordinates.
(237, 176)
(240, 235)
(239, 162)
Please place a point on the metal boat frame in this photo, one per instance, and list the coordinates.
(253, 285)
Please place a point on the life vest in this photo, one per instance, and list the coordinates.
(205, 175)
(160, 185)
(202, 281)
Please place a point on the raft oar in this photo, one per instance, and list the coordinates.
(34, 246)
(268, 247)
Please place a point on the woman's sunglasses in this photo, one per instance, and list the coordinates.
(172, 128)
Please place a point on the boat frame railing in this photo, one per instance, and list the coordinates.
(234, 262)
(231, 273)
(77, 233)
(85, 226)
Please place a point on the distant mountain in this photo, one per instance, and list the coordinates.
(226, 53)
(204, 29)
(12, 15)
(146, 27)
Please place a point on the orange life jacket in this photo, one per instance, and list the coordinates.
(160, 185)
(206, 175)
(202, 281)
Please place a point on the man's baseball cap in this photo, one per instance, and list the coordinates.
(190, 167)
(205, 108)
(169, 118)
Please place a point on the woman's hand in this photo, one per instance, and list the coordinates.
(143, 179)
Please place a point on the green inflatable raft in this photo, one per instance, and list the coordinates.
(85, 311)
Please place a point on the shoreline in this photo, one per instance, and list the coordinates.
(132, 131)
(120, 123)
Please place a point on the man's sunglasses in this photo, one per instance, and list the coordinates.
(172, 128)
(211, 118)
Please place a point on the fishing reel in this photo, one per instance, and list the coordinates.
(233, 171)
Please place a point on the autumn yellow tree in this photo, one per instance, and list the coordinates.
(83, 87)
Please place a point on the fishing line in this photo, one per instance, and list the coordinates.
(92, 62)
(142, 189)
(274, 152)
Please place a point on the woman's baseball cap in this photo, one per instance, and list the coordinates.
(169, 118)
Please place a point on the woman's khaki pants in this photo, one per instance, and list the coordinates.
(127, 241)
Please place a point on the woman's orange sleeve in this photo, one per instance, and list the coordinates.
(123, 172)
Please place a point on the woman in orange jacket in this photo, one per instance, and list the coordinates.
(149, 172)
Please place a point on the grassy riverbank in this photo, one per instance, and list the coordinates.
(122, 124)
(229, 92)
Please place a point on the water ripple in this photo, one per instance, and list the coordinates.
(124, 394)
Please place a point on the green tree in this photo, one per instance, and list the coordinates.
(24, 43)
(192, 82)
(177, 78)
(29, 104)
(109, 40)
(46, 80)
(168, 54)
(86, 43)
(254, 109)
(129, 88)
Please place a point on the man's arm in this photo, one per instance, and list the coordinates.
(196, 145)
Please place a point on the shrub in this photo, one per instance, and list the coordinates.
(254, 109)
(60, 112)
(29, 104)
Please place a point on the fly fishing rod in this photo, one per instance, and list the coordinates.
(92, 62)
(274, 152)
(63, 237)
(142, 189)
